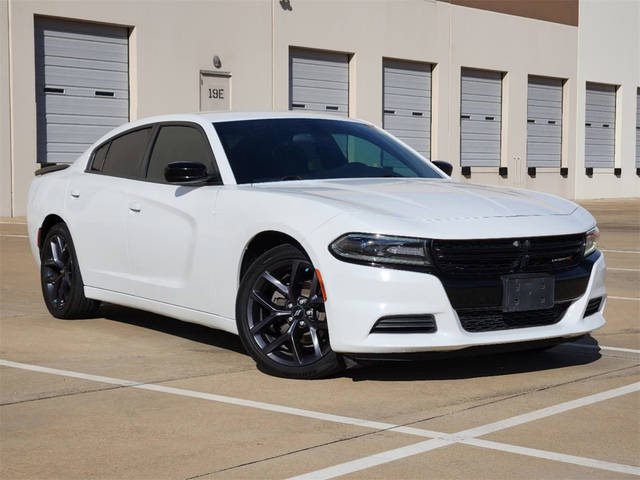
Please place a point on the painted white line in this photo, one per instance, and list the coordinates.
(68, 373)
(548, 411)
(437, 439)
(559, 457)
(466, 435)
(624, 269)
(13, 223)
(602, 347)
(635, 299)
(620, 251)
(230, 400)
(373, 460)
(10, 235)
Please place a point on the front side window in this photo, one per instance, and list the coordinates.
(304, 149)
(178, 143)
(125, 154)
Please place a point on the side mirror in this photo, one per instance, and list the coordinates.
(185, 173)
(446, 167)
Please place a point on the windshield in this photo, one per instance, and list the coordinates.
(303, 149)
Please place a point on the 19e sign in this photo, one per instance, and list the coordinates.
(216, 93)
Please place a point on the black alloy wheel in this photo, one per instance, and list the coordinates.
(281, 316)
(58, 270)
(62, 286)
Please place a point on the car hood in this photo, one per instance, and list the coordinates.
(429, 199)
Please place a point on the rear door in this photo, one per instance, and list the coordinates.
(169, 227)
(98, 208)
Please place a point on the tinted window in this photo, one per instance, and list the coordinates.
(125, 153)
(99, 157)
(177, 143)
(300, 149)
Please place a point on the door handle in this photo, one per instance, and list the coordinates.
(134, 207)
(75, 194)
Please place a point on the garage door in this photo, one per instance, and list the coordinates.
(407, 103)
(600, 125)
(480, 118)
(544, 122)
(82, 85)
(319, 82)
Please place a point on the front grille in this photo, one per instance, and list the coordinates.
(495, 257)
(489, 320)
(593, 306)
(405, 324)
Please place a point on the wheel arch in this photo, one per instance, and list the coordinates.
(48, 222)
(262, 242)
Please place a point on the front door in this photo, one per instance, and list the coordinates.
(169, 230)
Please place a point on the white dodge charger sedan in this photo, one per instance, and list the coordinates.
(315, 239)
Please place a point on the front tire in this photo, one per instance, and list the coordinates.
(62, 286)
(281, 316)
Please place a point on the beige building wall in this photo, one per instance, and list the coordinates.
(519, 47)
(5, 125)
(609, 52)
(451, 37)
(170, 42)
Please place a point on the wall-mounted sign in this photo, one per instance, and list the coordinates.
(215, 91)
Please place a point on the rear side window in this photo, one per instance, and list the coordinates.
(126, 151)
(178, 143)
(99, 158)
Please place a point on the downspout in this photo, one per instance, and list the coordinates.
(11, 141)
(273, 55)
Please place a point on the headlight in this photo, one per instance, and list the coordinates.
(591, 241)
(382, 249)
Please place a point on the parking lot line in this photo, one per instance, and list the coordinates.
(602, 347)
(437, 439)
(374, 460)
(619, 251)
(225, 399)
(559, 457)
(624, 269)
(635, 299)
(467, 436)
(11, 235)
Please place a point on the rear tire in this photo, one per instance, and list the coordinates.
(281, 317)
(62, 286)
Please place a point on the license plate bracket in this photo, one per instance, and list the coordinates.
(523, 292)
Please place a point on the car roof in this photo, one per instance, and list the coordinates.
(233, 116)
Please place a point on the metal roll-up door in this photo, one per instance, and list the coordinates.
(544, 122)
(82, 85)
(600, 125)
(480, 118)
(407, 103)
(319, 82)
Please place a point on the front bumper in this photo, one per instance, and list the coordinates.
(359, 295)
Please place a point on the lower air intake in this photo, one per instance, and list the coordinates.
(593, 306)
(489, 320)
(405, 324)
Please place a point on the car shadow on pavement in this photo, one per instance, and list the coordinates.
(172, 326)
(443, 366)
(457, 367)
